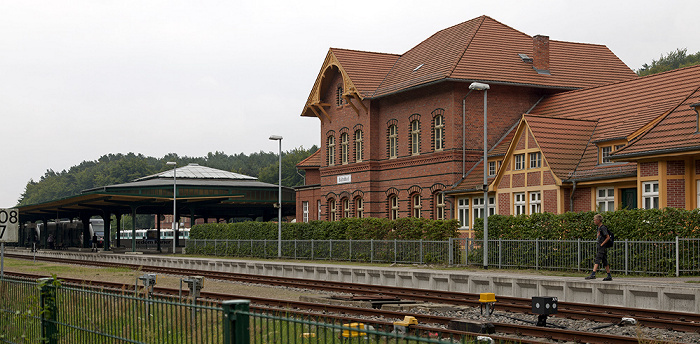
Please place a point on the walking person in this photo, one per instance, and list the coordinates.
(601, 256)
(50, 241)
(94, 243)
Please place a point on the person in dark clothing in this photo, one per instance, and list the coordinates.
(602, 252)
(94, 243)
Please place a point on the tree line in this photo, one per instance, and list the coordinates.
(673, 60)
(121, 168)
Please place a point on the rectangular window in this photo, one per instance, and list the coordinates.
(618, 147)
(439, 133)
(463, 212)
(346, 208)
(519, 203)
(605, 154)
(535, 160)
(439, 206)
(344, 148)
(519, 162)
(478, 207)
(492, 168)
(415, 137)
(416, 205)
(393, 142)
(393, 208)
(605, 199)
(331, 210)
(331, 150)
(535, 202)
(359, 207)
(305, 210)
(358, 145)
(650, 195)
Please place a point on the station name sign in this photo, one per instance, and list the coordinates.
(344, 179)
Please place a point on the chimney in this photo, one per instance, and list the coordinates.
(541, 54)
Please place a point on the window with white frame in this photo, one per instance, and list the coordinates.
(439, 206)
(416, 205)
(439, 132)
(605, 199)
(492, 168)
(415, 137)
(535, 202)
(519, 203)
(359, 207)
(346, 207)
(463, 212)
(331, 150)
(331, 210)
(393, 207)
(393, 142)
(478, 207)
(305, 211)
(358, 145)
(344, 148)
(519, 162)
(605, 154)
(650, 195)
(535, 160)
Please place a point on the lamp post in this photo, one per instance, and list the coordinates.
(174, 164)
(484, 87)
(279, 197)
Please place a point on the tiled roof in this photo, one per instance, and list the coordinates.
(487, 50)
(622, 109)
(365, 69)
(474, 180)
(562, 141)
(677, 131)
(313, 160)
(196, 171)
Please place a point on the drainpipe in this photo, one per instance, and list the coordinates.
(571, 202)
(464, 134)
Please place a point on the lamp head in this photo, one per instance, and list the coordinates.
(276, 137)
(171, 163)
(479, 86)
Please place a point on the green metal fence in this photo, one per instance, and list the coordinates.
(46, 312)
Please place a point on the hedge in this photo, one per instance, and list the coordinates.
(633, 224)
(344, 229)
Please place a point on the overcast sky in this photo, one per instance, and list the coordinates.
(80, 79)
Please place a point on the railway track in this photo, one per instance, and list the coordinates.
(677, 321)
(343, 314)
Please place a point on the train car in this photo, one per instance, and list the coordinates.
(146, 238)
(64, 233)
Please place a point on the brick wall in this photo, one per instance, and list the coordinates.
(548, 178)
(675, 168)
(505, 182)
(549, 199)
(582, 199)
(533, 179)
(518, 180)
(649, 169)
(675, 192)
(504, 203)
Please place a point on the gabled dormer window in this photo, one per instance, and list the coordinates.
(605, 154)
(697, 117)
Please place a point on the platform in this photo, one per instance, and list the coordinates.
(663, 293)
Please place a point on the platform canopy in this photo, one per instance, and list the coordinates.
(202, 192)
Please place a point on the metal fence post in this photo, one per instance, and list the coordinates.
(450, 254)
(236, 322)
(371, 250)
(49, 310)
(395, 247)
(627, 260)
(421, 251)
(578, 254)
(678, 265)
(500, 261)
(537, 253)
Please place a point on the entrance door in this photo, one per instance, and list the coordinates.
(629, 198)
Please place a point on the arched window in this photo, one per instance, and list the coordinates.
(393, 142)
(331, 150)
(331, 209)
(359, 207)
(344, 148)
(358, 145)
(415, 205)
(439, 132)
(393, 207)
(415, 137)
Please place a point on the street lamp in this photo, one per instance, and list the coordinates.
(279, 198)
(484, 87)
(174, 164)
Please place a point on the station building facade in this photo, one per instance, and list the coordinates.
(401, 133)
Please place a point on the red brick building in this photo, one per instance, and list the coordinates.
(399, 131)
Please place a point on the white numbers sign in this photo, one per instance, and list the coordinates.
(9, 225)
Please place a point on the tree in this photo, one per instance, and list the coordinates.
(674, 60)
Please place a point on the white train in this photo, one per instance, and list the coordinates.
(152, 234)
